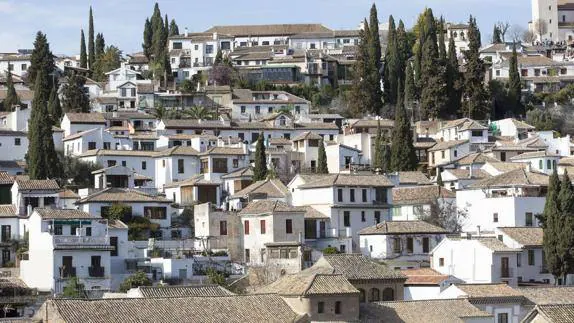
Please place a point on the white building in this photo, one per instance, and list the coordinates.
(511, 127)
(267, 189)
(414, 203)
(15, 63)
(540, 161)
(77, 122)
(66, 244)
(426, 283)
(175, 164)
(13, 144)
(255, 105)
(401, 243)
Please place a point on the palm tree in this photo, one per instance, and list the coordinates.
(199, 112)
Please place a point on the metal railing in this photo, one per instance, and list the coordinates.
(67, 272)
(80, 240)
(96, 271)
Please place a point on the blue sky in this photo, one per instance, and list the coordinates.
(122, 21)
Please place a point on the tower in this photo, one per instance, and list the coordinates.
(544, 22)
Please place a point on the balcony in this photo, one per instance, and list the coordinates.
(67, 272)
(96, 271)
(79, 241)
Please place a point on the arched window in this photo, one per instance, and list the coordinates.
(388, 294)
(454, 34)
(362, 296)
(462, 35)
(374, 295)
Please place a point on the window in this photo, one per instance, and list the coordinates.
(58, 230)
(495, 217)
(270, 110)
(257, 109)
(114, 244)
(524, 72)
(297, 109)
(352, 194)
(180, 168)
(347, 219)
(123, 92)
(321, 307)
(144, 165)
(196, 47)
(155, 212)
(364, 193)
(540, 164)
(502, 318)
(531, 260)
(88, 231)
(111, 163)
(222, 228)
(441, 262)
(338, 307)
(528, 219)
(426, 244)
(133, 92)
(288, 226)
(362, 295)
(209, 49)
(455, 153)
(247, 256)
(374, 295)
(225, 45)
(246, 227)
(107, 145)
(24, 67)
(236, 163)
(410, 245)
(397, 245)
(10, 67)
(176, 45)
(340, 195)
(219, 165)
(262, 226)
(124, 163)
(388, 294)
(17, 142)
(442, 154)
(363, 218)
(242, 109)
(497, 72)
(548, 164)
(377, 217)
(519, 260)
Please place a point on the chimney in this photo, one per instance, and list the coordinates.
(186, 32)
(478, 230)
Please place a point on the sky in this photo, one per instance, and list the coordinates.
(122, 22)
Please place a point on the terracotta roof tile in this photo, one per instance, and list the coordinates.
(420, 194)
(263, 30)
(272, 188)
(6, 178)
(93, 117)
(423, 276)
(318, 181)
(549, 294)
(46, 213)
(428, 311)
(526, 236)
(415, 177)
(358, 267)
(563, 313)
(266, 207)
(8, 211)
(517, 177)
(24, 183)
(184, 291)
(403, 227)
(122, 195)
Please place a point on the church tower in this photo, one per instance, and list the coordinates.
(544, 22)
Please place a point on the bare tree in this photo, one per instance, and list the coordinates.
(528, 36)
(503, 27)
(540, 27)
(445, 214)
(516, 33)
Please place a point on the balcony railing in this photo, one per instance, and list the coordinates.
(96, 271)
(67, 272)
(81, 240)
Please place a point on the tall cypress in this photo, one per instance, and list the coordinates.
(441, 41)
(360, 98)
(260, 169)
(550, 220)
(375, 37)
(100, 45)
(173, 28)
(496, 35)
(565, 245)
(378, 154)
(453, 79)
(390, 76)
(514, 84)
(83, 55)
(433, 91)
(91, 45)
(322, 167)
(41, 59)
(11, 98)
(403, 50)
(54, 107)
(403, 155)
(374, 77)
(147, 39)
(410, 87)
(475, 97)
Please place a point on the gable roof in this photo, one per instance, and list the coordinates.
(48, 214)
(267, 30)
(494, 290)
(25, 183)
(534, 154)
(273, 188)
(358, 267)
(307, 135)
(559, 313)
(414, 177)
(423, 276)
(475, 158)
(460, 173)
(177, 151)
(92, 117)
(403, 227)
(6, 178)
(244, 308)
(327, 180)
(517, 177)
(183, 291)
(420, 194)
(224, 151)
(428, 311)
(114, 194)
(242, 172)
(269, 207)
(442, 145)
(526, 236)
(549, 294)
(310, 282)
(8, 211)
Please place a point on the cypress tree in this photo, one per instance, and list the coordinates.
(147, 39)
(404, 49)
(374, 75)
(260, 169)
(496, 35)
(386, 165)
(410, 87)
(83, 55)
(453, 79)
(439, 177)
(390, 76)
(54, 107)
(173, 28)
(41, 59)
(433, 91)
(91, 45)
(475, 104)
(360, 97)
(322, 167)
(403, 156)
(375, 38)
(378, 154)
(565, 241)
(514, 84)
(11, 95)
(100, 45)
(441, 43)
(74, 99)
(550, 220)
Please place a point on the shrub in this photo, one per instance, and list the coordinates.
(136, 280)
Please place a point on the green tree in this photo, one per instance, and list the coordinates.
(136, 280)
(360, 98)
(11, 96)
(74, 98)
(100, 46)
(91, 44)
(74, 289)
(83, 55)
(41, 59)
(374, 75)
(496, 35)
(199, 112)
(390, 76)
(215, 277)
(147, 39)
(550, 220)
(322, 167)
(54, 107)
(108, 61)
(475, 105)
(439, 181)
(410, 87)
(187, 86)
(218, 58)
(441, 42)
(118, 211)
(565, 241)
(260, 168)
(453, 79)
(173, 28)
(378, 160)
(403, 156)
(514, 85)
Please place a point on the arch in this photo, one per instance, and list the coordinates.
(454, 34)
(388, 294)
(362, 295)
(374, 295)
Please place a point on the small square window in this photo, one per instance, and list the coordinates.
(441, 262)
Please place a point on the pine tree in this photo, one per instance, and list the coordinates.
(514, 85)
(41, 59)
(550, 220)
(322, 167)
(390, 76)
(173, 28)
(403, 156)
(91, 44)
(74, 99)
(54, 107)
(147, 39)
(11, 96)
(83, 55)
(475, 105)
(260, 169)
(496, 35)
(453, 79)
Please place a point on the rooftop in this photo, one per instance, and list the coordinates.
(272, 188)
(403, 227)
(357, 267)
(549, 294)
(488, 290)
(415, 177)
(526, 236)
(25, 183)
(517, 177)
(122, 195)
(310, 282)
(420, 194)
(269, 207)
(328, 180)
(428, 311)
(48, 214)
(92, 117)
(423, 276)
(267, 30)
(184, 291)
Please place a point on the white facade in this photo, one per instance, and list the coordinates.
(395, 247)
(339, 157)
(545, 12)
(175, 168)
(13, 145)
